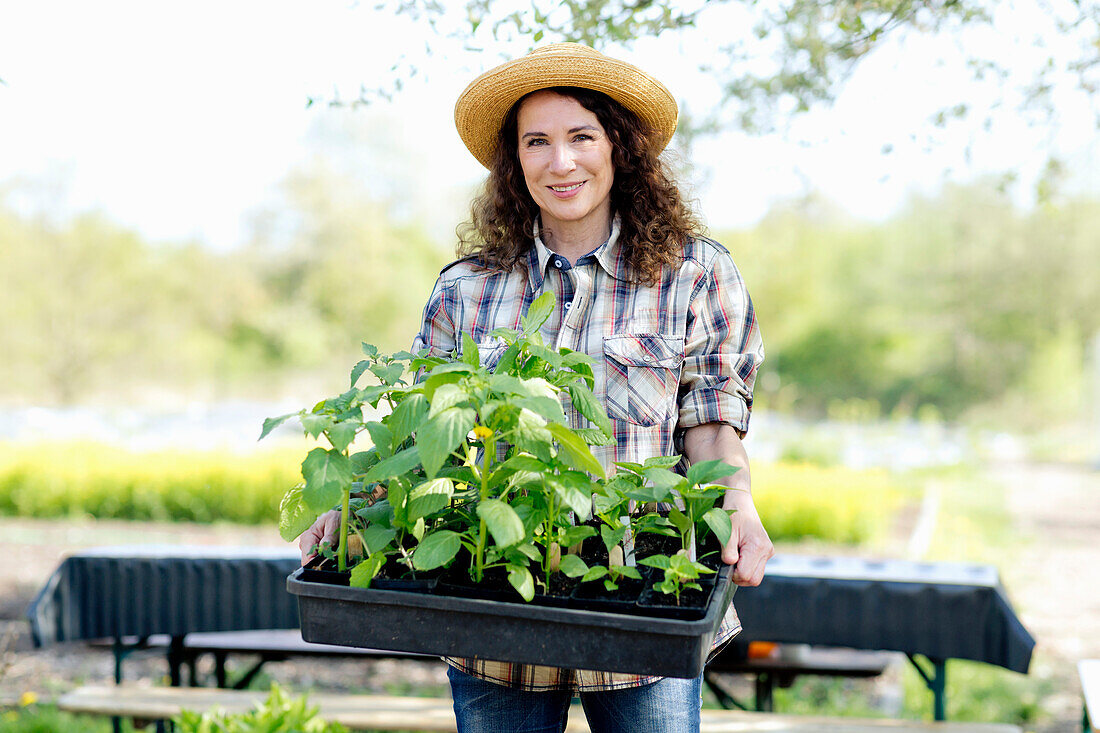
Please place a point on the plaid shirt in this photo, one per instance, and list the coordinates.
(667, 357)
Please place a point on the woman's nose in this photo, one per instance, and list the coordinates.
(562, 161)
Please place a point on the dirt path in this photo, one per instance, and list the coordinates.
(1055, 581)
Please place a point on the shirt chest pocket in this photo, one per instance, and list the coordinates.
(643, 375)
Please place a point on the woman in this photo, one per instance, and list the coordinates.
(579, 204)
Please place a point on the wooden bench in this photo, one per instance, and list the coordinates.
(269, 645)
(375, 712)
(277, 645)
(782, 668)
(1089, 671)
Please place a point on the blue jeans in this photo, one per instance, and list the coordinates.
(670, 705)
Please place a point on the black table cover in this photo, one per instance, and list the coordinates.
(939, 610)
(148, 589)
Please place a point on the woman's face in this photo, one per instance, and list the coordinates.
(565, 155)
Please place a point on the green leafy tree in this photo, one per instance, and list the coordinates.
(777, 58)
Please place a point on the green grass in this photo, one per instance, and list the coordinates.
(975, 693)
(48, 719)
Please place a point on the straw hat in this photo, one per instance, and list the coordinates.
(481, 108)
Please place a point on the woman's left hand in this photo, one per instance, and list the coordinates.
(749, 547)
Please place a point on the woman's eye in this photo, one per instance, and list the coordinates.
(535, 141)
(582, 138)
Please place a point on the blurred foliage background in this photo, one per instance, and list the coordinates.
(959, 306)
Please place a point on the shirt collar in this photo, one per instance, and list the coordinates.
(608, 255)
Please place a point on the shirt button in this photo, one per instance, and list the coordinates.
(557, 263)
(567, 305)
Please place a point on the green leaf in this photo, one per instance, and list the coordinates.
(574, 450)
(382, 438)
(453, 367)
(370, 350)
(573, 566)
(408, 416)
(460, 474)
(662, 478)
(448, 395)
(521, 580)
(579, 533)
(363, 573)
(586, 404)
(362, 461)
(532, 436)
(512, 465)
(273, 422)
(611, 537)
(679, 520)
(396, 493)
(429, 498)
(539, 311)
(661, 562)
(294, 516)
(507, 362)
(628, 572)
(528, 550)
(708, 472)
(357, 371)
(662, 462)
(470, 353)
(370, 395)
(508, 384)
(376, 537)
(719, 522)
(436, 549)
(396, 465)
(594, 436)
(378, 513)
(549, 356)
(328, 475)
(389, 373)
(546, 407)
(594, 573)
(503, 522)
(577, 500)
(342, 433)
(315, 424)
(441, 435)
(647, 494)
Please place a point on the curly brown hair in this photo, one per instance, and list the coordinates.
(654, 219)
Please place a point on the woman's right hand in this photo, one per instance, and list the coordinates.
(323, 530)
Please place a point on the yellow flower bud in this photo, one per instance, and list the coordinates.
(483, 432)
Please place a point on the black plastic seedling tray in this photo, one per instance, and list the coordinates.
(510, 632)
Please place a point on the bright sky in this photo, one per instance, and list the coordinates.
(179, 119)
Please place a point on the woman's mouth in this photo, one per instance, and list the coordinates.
(566, 190)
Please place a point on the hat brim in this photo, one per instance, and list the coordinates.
(481, 108)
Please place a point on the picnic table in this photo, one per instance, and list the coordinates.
(934, 611)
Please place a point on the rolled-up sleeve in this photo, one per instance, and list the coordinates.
(722, 351)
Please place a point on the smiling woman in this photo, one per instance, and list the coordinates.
(579, 206)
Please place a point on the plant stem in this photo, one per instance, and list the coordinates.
(487, 461)
(342, 555)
